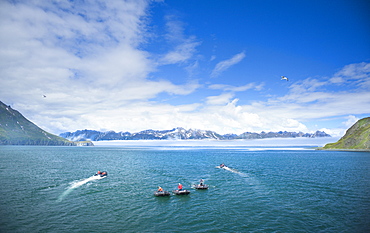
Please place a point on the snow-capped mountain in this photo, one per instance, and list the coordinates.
(180, 134)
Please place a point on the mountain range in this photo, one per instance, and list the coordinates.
(15, 129)
(180, 133)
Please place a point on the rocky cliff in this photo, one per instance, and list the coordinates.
(356, 138)
(15, 129)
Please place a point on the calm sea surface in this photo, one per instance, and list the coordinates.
(50, 189)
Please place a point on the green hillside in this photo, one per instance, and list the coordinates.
(15, 129)
(357, 137)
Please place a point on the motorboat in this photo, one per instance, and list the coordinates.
(181, 192)
(161, 193)
(201, 186)
(101, 174)
(223, 166)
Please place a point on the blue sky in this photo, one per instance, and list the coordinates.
(212, 65)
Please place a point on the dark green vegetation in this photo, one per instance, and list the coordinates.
(356, 138)
(15, 129)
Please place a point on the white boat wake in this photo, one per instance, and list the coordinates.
(77, 184)
(233, 170)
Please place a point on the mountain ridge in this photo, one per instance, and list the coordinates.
(15, 129)
(179, 133)
(357, 137)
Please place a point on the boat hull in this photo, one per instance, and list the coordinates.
(201, 186)
(102, 174)
(181, 192)
(161, 193)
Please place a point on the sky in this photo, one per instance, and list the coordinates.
(198, 64)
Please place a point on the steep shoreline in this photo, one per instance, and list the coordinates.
(355, 150)
(15, 129)
(357, 138)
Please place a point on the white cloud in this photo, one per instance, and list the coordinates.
(184, 46)
(88, 61)
(234, 118)
(84, 57)
(312, 99)
(224, 65)
(181, 52)
(339, 132)
(219, 100)
(307, 100)
(355, 71)
(306, 85)
(354, 74)
(351, 121)
(334, 132)
(246, 87)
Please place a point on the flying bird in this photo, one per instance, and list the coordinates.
(284, 78)
(44, 96)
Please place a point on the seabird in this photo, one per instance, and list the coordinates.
(44, 96)
(284, 78)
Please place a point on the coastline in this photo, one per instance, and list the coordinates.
(312, 143)
(354, 150)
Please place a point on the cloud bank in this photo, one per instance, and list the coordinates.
(89, 60)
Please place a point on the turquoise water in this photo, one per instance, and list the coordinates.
(50, 189)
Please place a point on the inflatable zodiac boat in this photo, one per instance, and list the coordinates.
(101, 174)
(161, 193)
(181, 192)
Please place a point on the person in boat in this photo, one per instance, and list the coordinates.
(103, 173)
(160, 189)
(222, 165)
(179, 187)
(201, 182)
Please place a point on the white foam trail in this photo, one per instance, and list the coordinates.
(233, 170)
(78, 184)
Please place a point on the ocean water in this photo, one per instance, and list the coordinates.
(267, 189)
